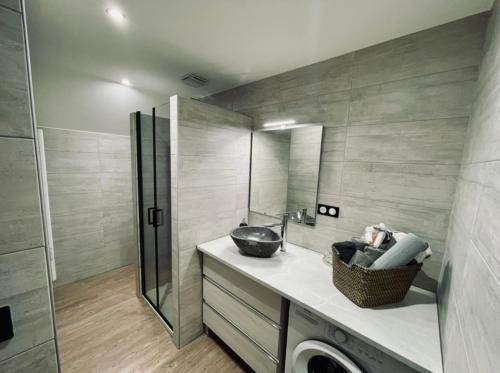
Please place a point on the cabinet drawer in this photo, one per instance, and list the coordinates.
(252, 293)
(256, 358)
(264, 332)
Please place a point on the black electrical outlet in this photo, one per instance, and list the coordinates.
(326, 210)
(6, 328)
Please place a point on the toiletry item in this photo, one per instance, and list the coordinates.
(243, 223)
(401, 253)
(388, 242)
(379, 238)
(375, 235)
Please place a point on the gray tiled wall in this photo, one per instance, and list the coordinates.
(469, 289)
(24, 281)
(305, 153)
(15, 117)
(210, 160)
(270, 164)
(395, 118)
(90, 193)
(41, 358)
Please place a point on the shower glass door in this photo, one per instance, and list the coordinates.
(153, 169)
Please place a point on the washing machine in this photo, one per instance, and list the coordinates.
(316, 346)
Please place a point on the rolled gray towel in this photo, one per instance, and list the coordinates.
(366, 257)
(360, 258)
(401, 253)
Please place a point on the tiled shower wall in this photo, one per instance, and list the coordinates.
(90, 192)
(469, 291)
(24, 279)
(395, 116)
(210, 160)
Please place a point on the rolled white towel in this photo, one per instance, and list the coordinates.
(401, 253)
(421, 256)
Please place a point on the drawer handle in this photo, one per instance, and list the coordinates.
(250, 307)
(267, 353)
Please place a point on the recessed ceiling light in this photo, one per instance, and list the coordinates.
(115, 14)
(125, 82)
(279, 123)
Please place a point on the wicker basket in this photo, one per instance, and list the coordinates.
(370, 288)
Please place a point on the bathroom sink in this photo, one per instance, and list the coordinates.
(256, 241)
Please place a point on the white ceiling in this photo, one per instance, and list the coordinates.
(78, 53)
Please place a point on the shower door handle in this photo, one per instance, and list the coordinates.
(155, 216)
(151, 216)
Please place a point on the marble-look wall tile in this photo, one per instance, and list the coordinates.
(76, 223)
(447, 47)
(486, 235)
(469, 286)
(321, 78)
(303, 170)
(395, 117)
(73, 183)
(334, 144)
(12, 4)
(79, 256)
(41, 358)
(25, 289)
(71, 162)
(442, 95)
(114, 163)
(15, 115)
(433, 141)
(357, 213)
(19, 199)
(90, 192)
(422, 185)
(477, 307)
(24, 279)
(270, 171)
(211, 154)
(70, 203)
(56, 139)
(454, 351)
(114, 144)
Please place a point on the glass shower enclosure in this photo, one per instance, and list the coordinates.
(151, 134)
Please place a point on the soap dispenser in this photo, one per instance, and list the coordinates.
(243, 223)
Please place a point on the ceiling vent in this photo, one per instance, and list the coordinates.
(194, 80)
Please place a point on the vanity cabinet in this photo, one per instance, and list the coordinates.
(248, 317)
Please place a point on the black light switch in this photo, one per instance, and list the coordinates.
(6, 328)
(327, 210)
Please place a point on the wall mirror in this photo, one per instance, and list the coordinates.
(285, 171)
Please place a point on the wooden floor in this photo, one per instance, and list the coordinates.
(103, 327)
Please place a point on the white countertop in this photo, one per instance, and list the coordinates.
(407, 331)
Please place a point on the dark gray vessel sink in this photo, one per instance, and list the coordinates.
(256, 241)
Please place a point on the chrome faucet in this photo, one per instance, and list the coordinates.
(284, 227)
(303, 216)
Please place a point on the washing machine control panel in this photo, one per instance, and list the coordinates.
(355, 346)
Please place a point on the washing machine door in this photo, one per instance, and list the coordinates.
(318, 357)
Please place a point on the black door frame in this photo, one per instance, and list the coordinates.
(141, 213)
